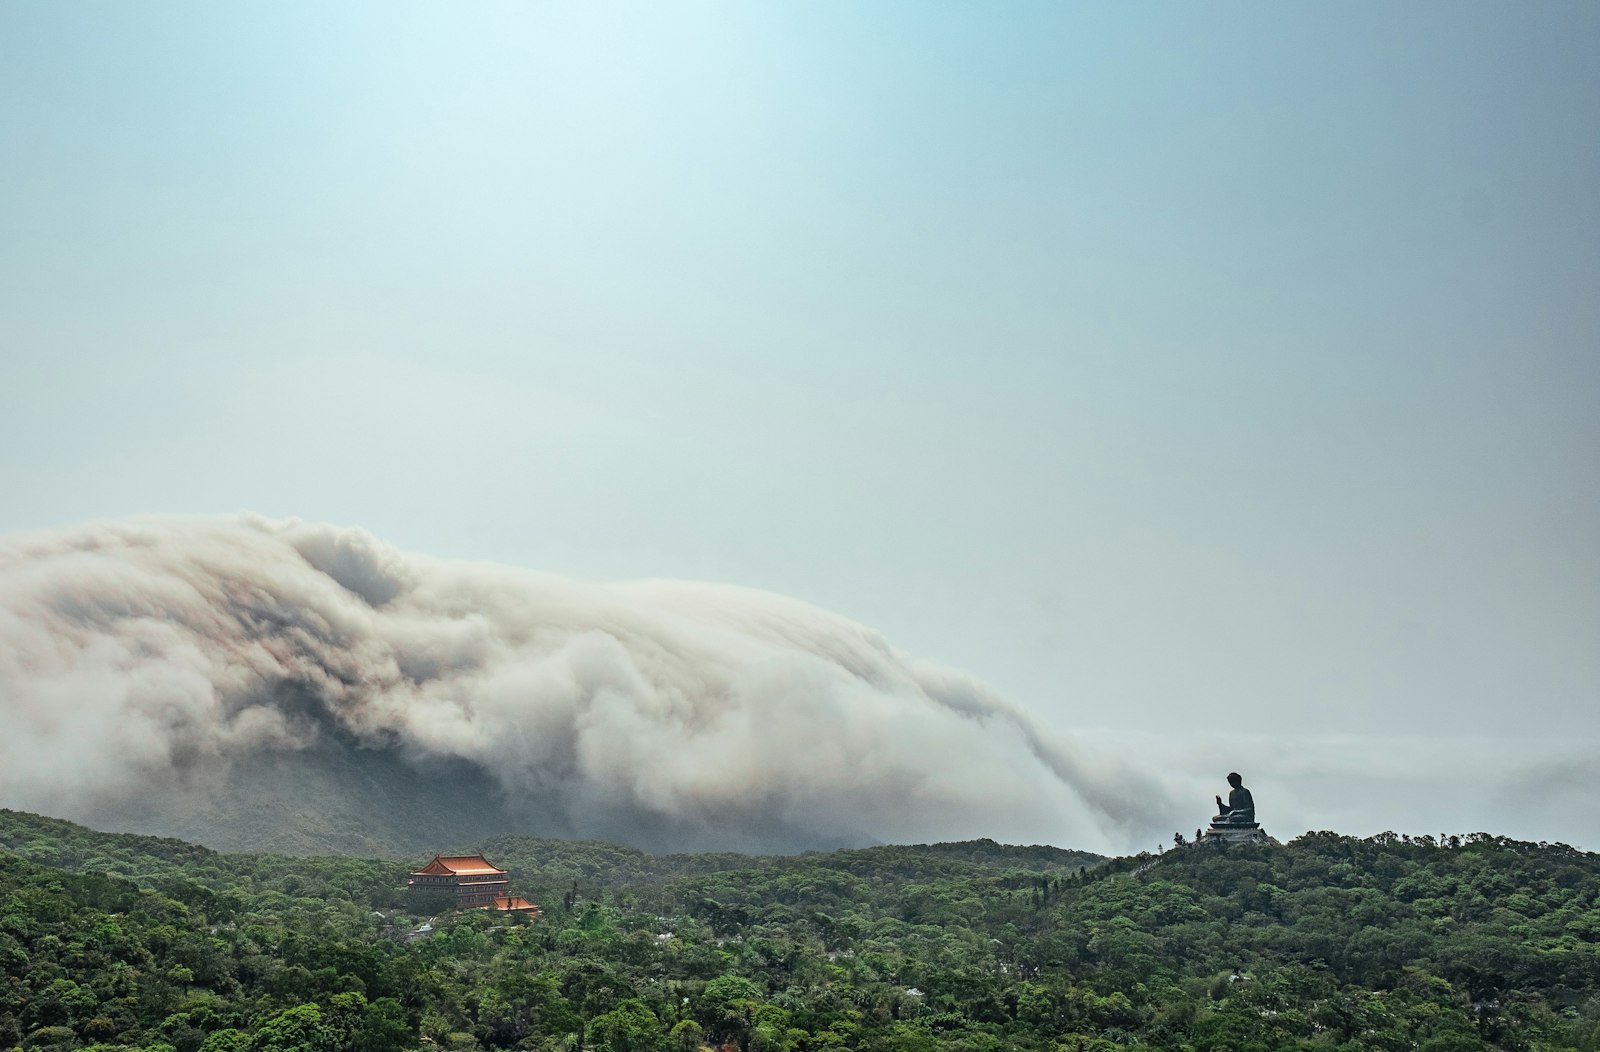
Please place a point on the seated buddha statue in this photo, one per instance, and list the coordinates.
(1240, 810)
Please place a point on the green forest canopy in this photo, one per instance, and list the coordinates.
(124, 942)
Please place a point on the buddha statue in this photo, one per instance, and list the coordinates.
(1240, 810)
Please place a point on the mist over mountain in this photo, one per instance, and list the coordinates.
(281, 684)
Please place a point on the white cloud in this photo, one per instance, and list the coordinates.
(133, 653)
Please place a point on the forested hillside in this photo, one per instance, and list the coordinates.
(120, 942)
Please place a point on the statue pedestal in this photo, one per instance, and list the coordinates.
(1240, 833)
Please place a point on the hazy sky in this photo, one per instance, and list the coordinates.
(1171, 368)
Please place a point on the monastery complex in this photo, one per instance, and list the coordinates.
(477, 883)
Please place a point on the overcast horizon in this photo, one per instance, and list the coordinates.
(1221, 387)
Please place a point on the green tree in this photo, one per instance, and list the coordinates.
(630, 1027)
(726, 1007)
(297, 1029)
(227, 1040)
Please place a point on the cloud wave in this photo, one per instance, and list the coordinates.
(135, 653)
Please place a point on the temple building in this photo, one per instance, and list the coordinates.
(476, 883)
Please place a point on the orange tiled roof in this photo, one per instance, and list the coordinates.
(513, 903)
(460, 865)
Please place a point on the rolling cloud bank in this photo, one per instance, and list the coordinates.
(157, 661)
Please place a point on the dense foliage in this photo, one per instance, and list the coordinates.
(1326, 943)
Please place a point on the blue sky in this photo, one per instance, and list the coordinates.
(1170, 367)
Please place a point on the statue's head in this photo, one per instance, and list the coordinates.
(1234, 780)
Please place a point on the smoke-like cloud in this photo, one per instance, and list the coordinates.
(136, 654)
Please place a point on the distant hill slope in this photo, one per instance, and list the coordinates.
(341, 797)
(70, 846)
(335, 797)
(542, 865)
